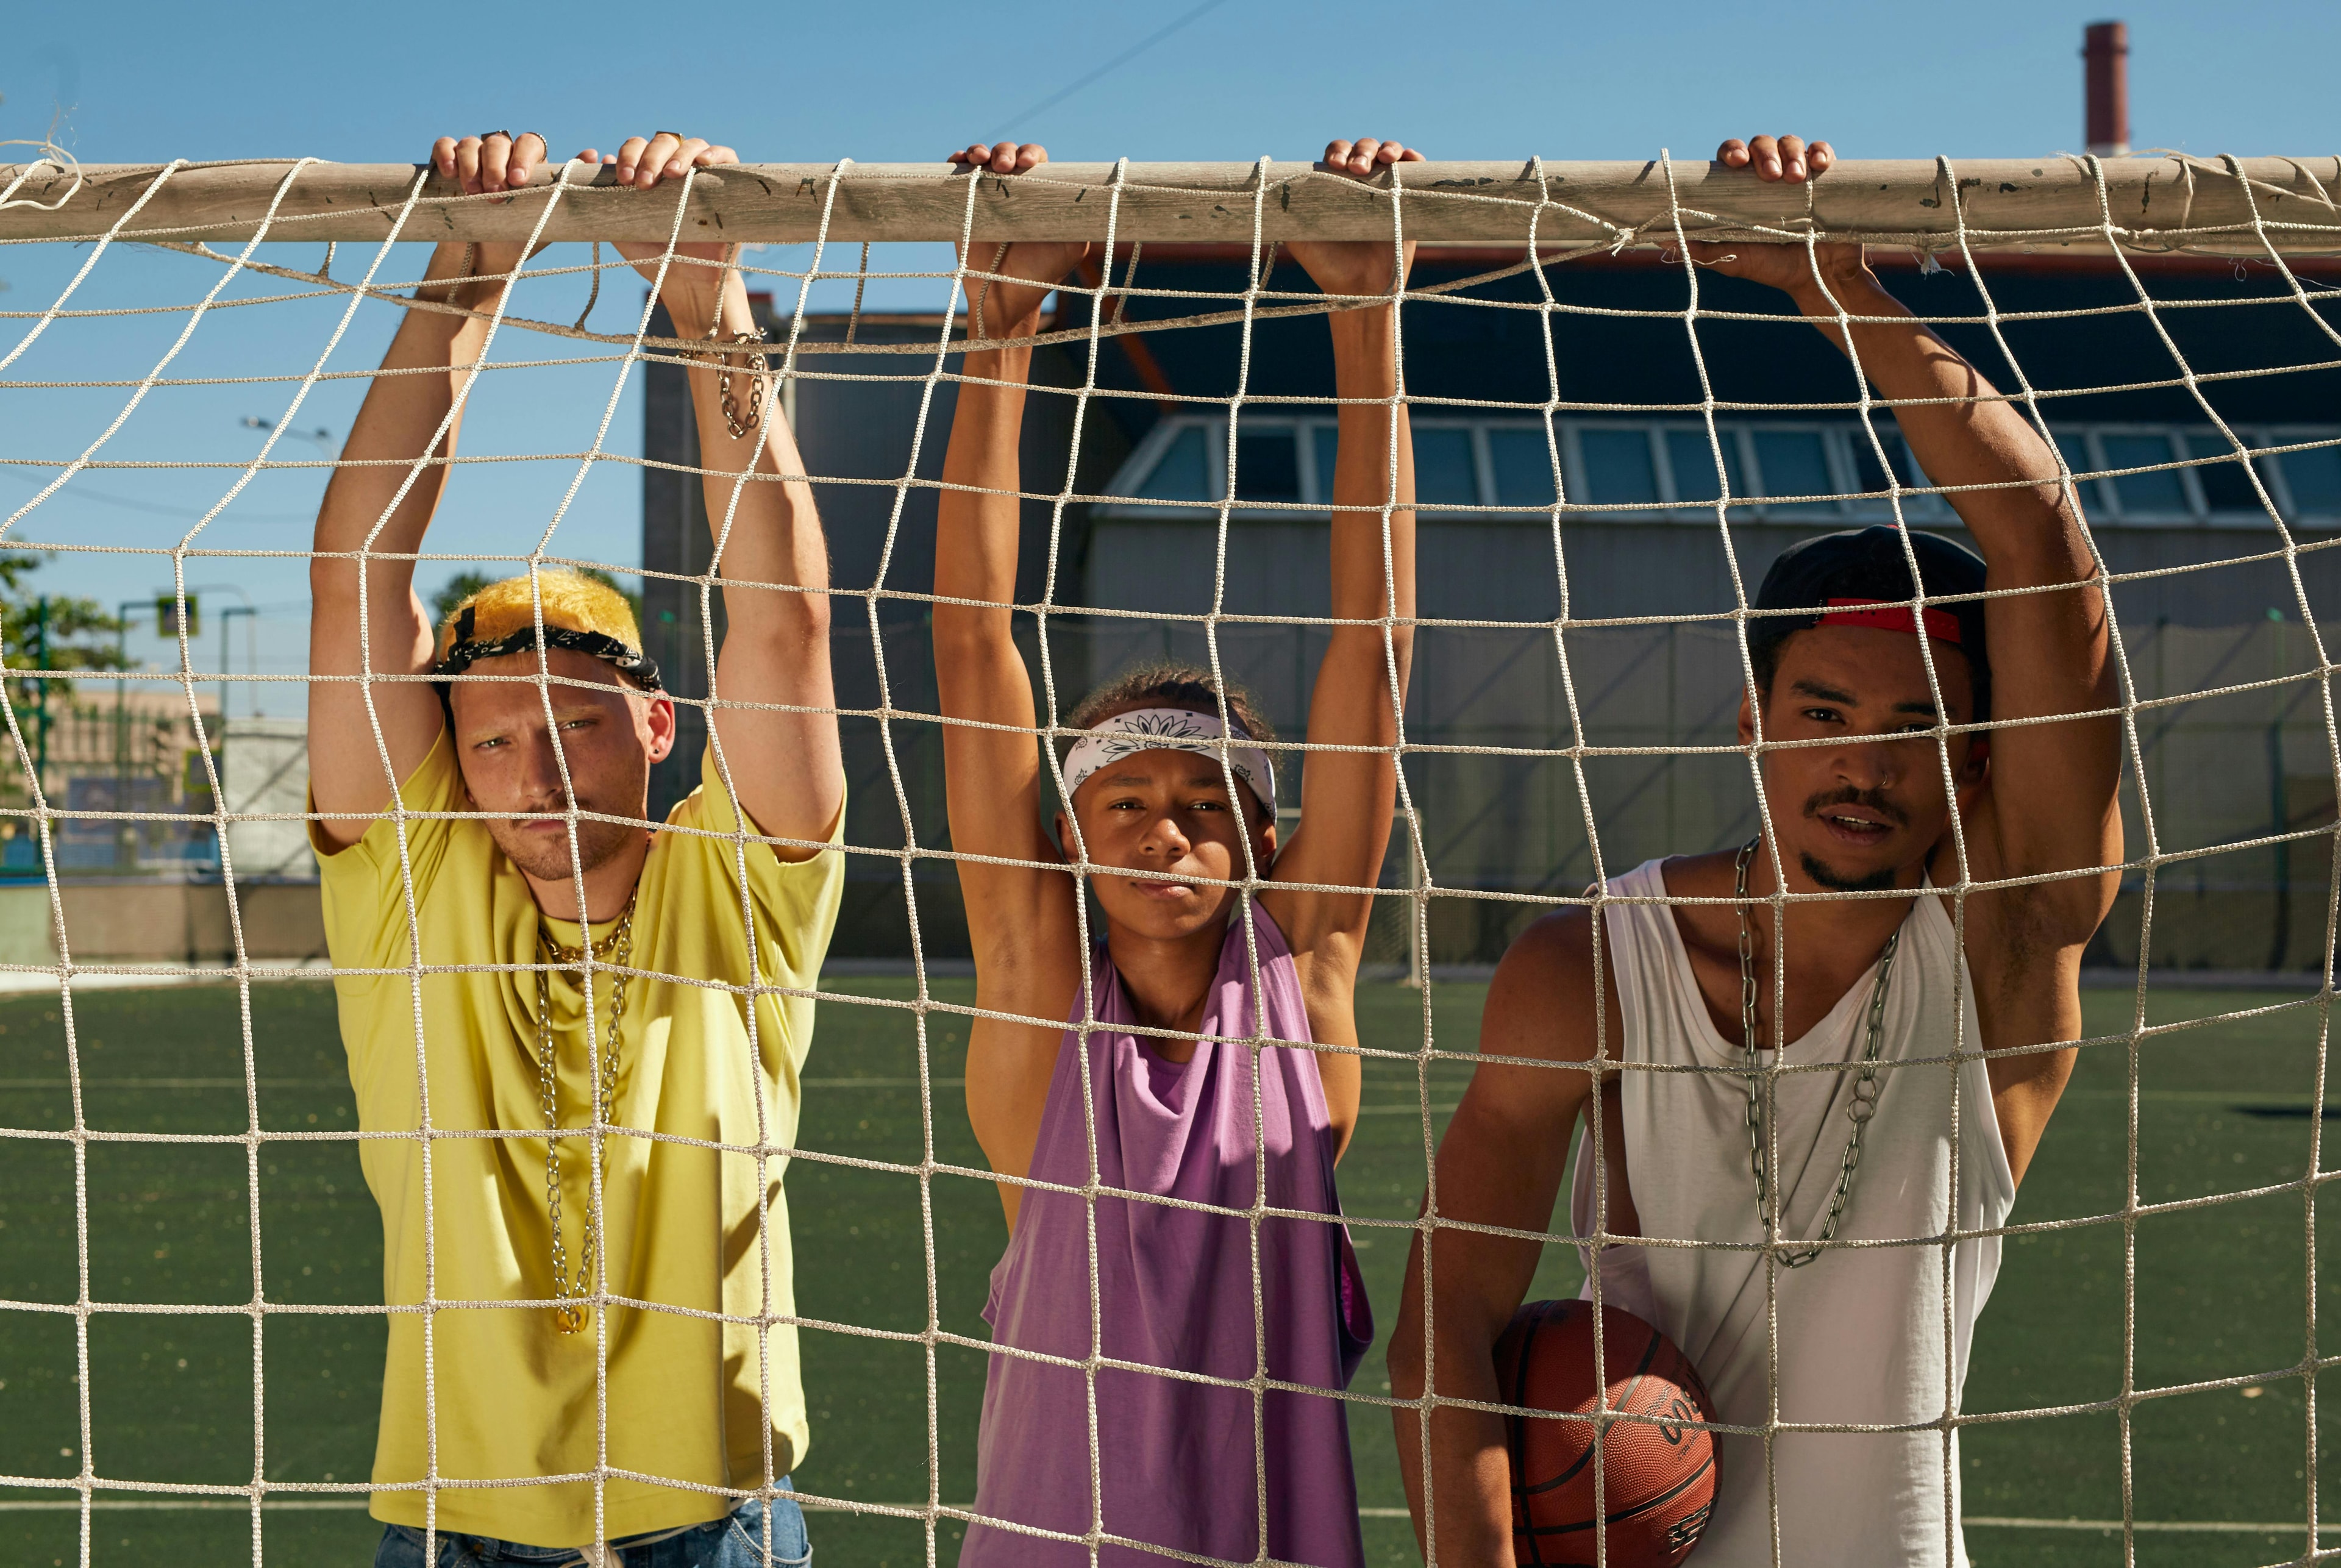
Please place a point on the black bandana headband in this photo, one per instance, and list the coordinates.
(465, 651)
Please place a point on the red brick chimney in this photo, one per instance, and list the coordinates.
(2106, 54)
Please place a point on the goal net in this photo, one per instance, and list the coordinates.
(1610, 443)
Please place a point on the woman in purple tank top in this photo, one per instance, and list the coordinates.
(1178, 1308)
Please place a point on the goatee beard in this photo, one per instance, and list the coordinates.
(1876, 881)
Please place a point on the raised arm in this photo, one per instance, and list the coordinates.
(1021, 918)
(780, 748)
(2049, 651)
(1502, 1162)
(1347, 797)
(402, 417)
(2048, 802)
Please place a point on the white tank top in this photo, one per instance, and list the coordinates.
(1861, 1333)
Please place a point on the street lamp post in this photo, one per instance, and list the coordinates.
(125, 832)
(40, 694)
(227, 616)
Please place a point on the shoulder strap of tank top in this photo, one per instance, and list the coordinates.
(1279, 975)
(1928, 916)
(1637, 955)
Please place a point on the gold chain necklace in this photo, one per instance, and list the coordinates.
(615, 949)
(1866, 1090)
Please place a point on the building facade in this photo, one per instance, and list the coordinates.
(1579, 560)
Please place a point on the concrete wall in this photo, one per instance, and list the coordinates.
(264, 772)
(149, 920)
(1505, 571)
(856, 417)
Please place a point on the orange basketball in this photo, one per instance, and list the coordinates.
(1657, 1475)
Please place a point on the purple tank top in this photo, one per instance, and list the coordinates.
(1176, 1461)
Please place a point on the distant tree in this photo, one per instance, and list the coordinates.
(52, 632)
(453, 592)
(464, 585)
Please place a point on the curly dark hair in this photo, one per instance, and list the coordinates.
(1169, 686)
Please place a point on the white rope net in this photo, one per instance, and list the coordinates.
(1516, 792)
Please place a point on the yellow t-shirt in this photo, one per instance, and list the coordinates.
(515, 1397)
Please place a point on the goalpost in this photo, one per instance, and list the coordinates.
(2275, 218)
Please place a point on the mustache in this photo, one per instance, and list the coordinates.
(1875, 800)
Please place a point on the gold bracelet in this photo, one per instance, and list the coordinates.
(737, 423)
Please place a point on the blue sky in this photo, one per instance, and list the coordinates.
(881, 82)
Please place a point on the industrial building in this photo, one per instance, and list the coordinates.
(1602, 621)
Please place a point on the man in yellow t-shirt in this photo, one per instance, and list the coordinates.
(583, 1359)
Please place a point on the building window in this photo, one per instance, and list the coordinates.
(1521, 459)
(1690, 459)
(1446, 471)
(1795, 463)
(1180, 470)
(2314, 477)
(2156, 492)
(1268, 464)
(1501, 470)
(2225, 485)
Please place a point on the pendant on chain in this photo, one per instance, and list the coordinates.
(569, 1312)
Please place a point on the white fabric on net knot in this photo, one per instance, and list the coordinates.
(53, 155)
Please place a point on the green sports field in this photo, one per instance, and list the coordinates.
(2226, 1107)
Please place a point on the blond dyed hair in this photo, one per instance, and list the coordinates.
(570, 600)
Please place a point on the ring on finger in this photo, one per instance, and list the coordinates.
(486, 136)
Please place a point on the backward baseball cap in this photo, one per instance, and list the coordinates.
(1862, 577)
(578, 613)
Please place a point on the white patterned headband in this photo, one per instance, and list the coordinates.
(1171, 730)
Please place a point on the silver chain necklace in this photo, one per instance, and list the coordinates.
(616, 949)
(1865, 1088)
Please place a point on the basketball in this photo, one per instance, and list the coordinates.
(1657, 1475)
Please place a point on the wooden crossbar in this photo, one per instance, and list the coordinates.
(2047, 204)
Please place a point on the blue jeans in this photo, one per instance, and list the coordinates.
(736, 1540)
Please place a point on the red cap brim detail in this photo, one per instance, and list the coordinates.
(1889, 616)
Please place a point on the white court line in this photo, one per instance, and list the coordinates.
(293, 1506)
(92, 1083)
(2165, 1526)
(2210, 1096)
(138, 1505)
(20, 982)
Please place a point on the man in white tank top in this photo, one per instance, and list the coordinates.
(1924, 1010)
